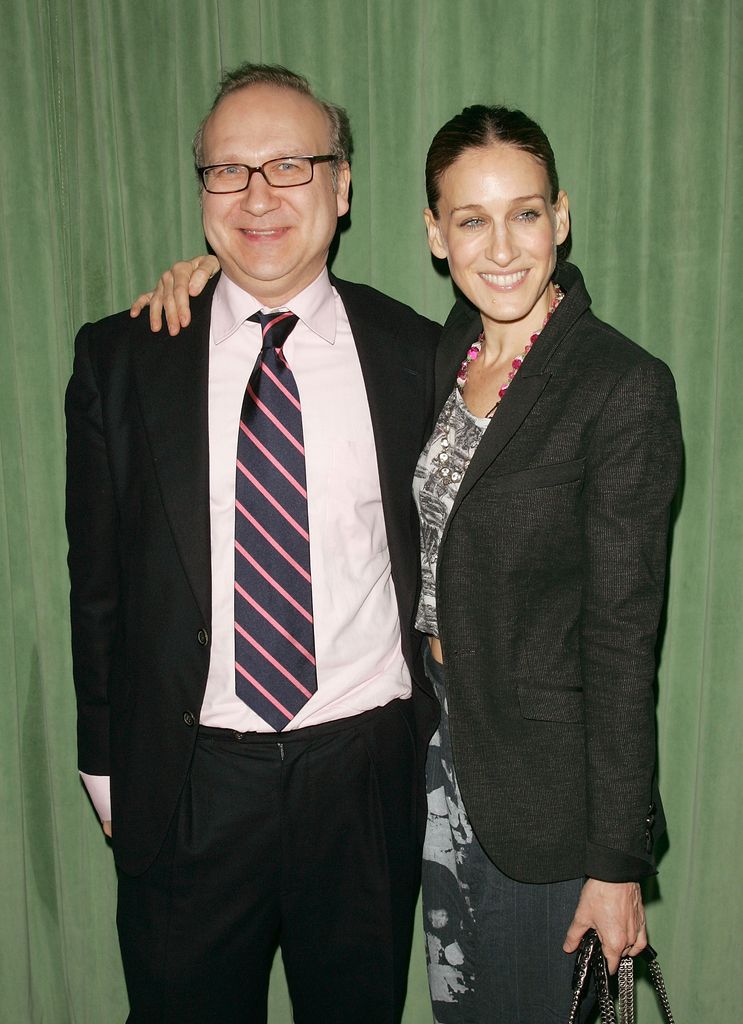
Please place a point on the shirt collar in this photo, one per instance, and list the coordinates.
(314, 305)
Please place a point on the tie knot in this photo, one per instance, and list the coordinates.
(275, 326)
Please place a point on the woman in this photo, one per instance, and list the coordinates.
(544, 496)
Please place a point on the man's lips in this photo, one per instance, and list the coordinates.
(263, 234)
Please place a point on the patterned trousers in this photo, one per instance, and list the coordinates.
(493, 945)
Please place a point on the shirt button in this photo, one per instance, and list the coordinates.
(188, 718)
(203, 637)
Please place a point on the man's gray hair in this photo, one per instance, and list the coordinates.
(341, 143)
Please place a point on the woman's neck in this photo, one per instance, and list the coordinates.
(503, 341)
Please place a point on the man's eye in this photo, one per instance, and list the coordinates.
(226, 171)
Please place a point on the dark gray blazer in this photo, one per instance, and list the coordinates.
(138, 526)
(549, 593)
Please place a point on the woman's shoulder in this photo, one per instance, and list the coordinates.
(594, 342)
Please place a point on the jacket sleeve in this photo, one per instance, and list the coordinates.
(632, 474)
(93, 558)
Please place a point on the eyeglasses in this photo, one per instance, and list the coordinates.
(283, 172)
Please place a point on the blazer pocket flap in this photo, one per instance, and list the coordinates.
(551, 705)
(540, 476)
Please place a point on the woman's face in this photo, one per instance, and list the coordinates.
(499, 231)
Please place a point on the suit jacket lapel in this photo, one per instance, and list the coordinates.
(388, 387)
(172, 382)
(391, 387)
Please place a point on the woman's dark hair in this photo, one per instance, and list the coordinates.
(478, 126)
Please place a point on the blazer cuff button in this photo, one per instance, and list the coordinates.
(189, 719)
(203, 637)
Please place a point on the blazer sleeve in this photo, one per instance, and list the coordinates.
(93, 558)
(632, 473)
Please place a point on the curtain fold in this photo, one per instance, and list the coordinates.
(642, 102)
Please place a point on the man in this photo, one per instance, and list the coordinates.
(242, 559)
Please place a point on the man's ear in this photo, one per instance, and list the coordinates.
(343, 187)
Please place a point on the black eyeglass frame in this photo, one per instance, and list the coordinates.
(323, 158)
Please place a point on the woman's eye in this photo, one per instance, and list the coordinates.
(528, 215)
(471, 222)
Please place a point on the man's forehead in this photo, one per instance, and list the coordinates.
(268, 116)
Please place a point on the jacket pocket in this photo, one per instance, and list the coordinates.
(540, 476)
(551, 705)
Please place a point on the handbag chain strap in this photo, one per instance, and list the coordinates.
(591, 958)
(626, 983)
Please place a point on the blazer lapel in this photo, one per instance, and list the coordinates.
(513, 410)
(461, 329)
(172, 382)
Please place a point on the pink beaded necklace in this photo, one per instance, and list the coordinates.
(475, 348)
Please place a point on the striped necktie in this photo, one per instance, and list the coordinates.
(274, 638)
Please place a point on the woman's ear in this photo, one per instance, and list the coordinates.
(435, 237)
(562, 217)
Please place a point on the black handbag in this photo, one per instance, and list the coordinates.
(591, 960)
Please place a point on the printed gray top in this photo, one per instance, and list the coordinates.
(441, 466)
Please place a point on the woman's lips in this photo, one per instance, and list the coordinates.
(505, 282)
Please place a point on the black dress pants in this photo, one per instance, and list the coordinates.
(305, 841)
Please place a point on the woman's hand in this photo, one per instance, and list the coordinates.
(615, 910)
(173, 291)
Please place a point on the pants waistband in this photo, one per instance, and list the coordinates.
(308, 732)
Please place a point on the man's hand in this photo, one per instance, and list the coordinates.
(173, 291)
(615, 910)
(107, 828)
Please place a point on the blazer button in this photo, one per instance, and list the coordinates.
(203, 637)
(189, 719)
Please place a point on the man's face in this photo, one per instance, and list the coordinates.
(272, 242)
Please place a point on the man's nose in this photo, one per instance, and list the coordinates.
(259, 197)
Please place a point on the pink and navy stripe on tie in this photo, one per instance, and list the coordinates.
(274, 637)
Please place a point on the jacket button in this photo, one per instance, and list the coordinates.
(188, 718)
(203, 637)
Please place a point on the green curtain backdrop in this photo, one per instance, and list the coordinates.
(642, 100)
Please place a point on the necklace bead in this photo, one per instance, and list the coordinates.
(474, 351)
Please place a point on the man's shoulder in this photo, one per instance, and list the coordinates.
(120, 331)
(116, 324)
(364, 300)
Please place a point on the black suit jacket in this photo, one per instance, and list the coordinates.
(549, 592)
(138, 526)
